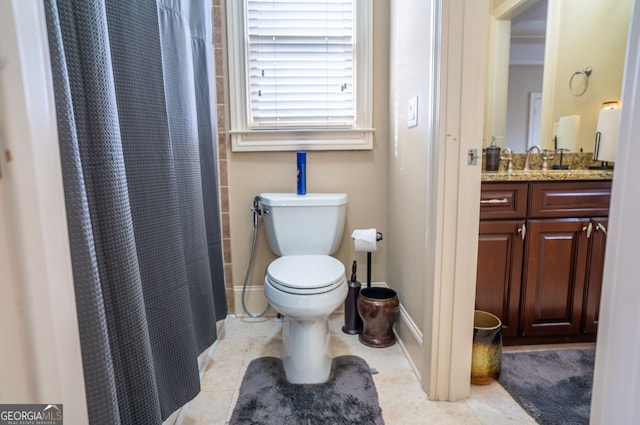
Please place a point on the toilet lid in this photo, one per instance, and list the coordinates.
(304, 272)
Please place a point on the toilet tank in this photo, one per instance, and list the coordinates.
(304, 224)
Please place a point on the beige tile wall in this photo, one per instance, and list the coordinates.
(223, 144)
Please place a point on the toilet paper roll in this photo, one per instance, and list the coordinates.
(364, 240)
(568, 132)
(608, 124)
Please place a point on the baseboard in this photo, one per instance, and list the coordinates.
(411, 341)
(256, 301)
(407, 332)
(408, 335)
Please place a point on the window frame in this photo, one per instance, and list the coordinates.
(243, 138)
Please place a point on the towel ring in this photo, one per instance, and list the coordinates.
(585, 73)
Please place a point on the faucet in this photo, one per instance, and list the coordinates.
(547, 154)
(526, 161)
(507, 157)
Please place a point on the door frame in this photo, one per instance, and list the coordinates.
(453, 212)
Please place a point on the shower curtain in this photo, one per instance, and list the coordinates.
(136, 129)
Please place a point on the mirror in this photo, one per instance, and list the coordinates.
(520, 110)
(526, 72)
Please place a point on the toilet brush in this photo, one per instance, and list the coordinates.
(352, 320)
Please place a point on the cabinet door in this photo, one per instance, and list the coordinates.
(500, 249)
(555, 270)
(595, 268)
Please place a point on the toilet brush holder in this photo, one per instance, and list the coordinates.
(352, 320)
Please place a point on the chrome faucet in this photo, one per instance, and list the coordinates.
(508, 156)
(526, 161)
(547, 154)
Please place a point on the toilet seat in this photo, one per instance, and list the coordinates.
(305, 274)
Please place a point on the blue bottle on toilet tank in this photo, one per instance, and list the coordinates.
(302, 173)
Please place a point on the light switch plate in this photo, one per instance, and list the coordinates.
(412, 113)
(472, 157)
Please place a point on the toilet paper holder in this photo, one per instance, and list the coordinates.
(378, 239)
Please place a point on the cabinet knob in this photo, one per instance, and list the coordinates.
(523, 231)
(601, 228)
(588, 229)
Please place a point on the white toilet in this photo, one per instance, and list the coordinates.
(305, 284)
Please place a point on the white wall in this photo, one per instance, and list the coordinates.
(34, 223)
(433, 193)
(409, 150)
(16, 380)
(523, 79)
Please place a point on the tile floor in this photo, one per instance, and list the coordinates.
(402, 400)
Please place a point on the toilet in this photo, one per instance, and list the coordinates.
(305, 284)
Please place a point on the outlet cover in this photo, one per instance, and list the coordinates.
(412, 113)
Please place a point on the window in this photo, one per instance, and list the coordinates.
(300, 74)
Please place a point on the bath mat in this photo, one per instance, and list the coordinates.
(348, 397)
(553, 386)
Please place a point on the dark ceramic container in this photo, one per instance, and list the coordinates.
(379, 309)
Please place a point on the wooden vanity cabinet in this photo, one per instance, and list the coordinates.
(540, 271)
(503, 208)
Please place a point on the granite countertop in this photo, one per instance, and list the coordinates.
(578, 164)
(548, 175)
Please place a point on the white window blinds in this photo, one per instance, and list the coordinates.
(300, 64)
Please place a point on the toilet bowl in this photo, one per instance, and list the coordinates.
(305, 283)
(306, 289)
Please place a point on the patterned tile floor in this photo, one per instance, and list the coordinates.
(402, 400)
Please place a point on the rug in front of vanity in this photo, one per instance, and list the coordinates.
(553, 386)
(348, 397)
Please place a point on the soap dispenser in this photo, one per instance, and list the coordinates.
(492, 160)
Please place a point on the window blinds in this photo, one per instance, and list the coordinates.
(301, 63)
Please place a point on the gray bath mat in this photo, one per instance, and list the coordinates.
(349, 397)
(553, 386)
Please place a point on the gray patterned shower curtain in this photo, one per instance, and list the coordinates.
(136, 128)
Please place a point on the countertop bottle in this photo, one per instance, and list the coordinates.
(492, 160)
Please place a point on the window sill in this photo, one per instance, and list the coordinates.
(309, 140)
